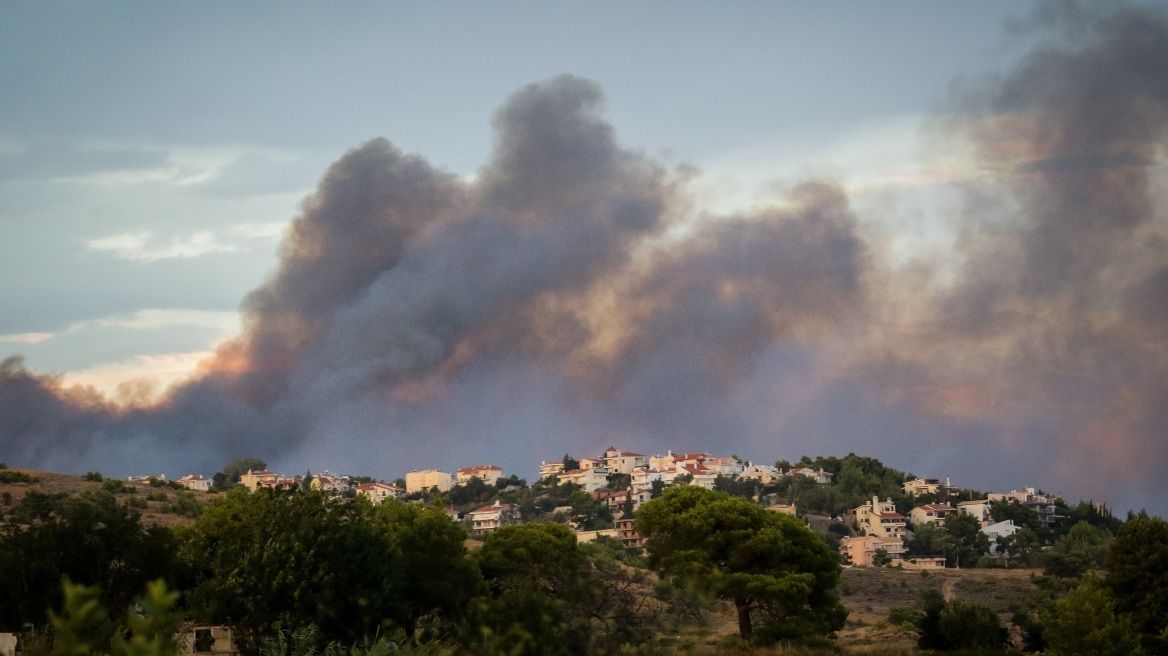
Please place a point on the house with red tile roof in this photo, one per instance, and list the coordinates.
(623, 462)
(378, 492)
(485, 473)
(489, 518)
(930, 513)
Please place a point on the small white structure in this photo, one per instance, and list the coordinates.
(995, 532)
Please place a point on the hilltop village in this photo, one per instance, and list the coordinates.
(872, 514)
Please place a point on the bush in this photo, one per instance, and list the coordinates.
(114, 486)
(902, 615)
(136, 502)
(8, 476)
(960, 624)
(93, 476)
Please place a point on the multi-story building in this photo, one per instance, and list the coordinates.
(489, 518)
(550, 468)
(590, 480)
(919, 486)
(930, 513)
(485, 473)
(860, 551)
(378, 492)
(252, 479)
(623, 462)
(764, 474)
(627, 531)
(427, 479)
(879, 518)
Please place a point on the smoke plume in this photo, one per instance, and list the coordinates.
(570, 296)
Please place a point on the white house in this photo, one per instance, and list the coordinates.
(195, 482)
(979, 508)
(378, 492)
(728, 467)
(489, 518)
(820, 476)
(930, 513)
(590, 480)
(995, 532)
(642, 479)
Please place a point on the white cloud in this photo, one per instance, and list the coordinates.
(141, 246)
(227, 323)
(137, 246)
(27, 338)
(272, 230)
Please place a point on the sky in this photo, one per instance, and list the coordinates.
(378, 237)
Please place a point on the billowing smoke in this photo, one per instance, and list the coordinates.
(570, 296)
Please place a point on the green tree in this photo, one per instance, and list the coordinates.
(1085, 624)
(1021, 546)
(1083, 547)
(440, 576)
(770, 565)
(280, 560)
(90, 539)
(536, 575)
(1137, 576)
(964, 541)
(240, 466)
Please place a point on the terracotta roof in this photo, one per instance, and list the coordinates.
(492, 508)
(891, 515)
(938, 507)
(477, 468)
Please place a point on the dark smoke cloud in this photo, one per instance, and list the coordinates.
(569, 297)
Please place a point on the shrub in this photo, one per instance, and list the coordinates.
(115, 486)
(8, 476)
(960, 624)
(905, 615)
(93, 476)
(136, 502)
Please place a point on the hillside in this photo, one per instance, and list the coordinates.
(158, 504)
